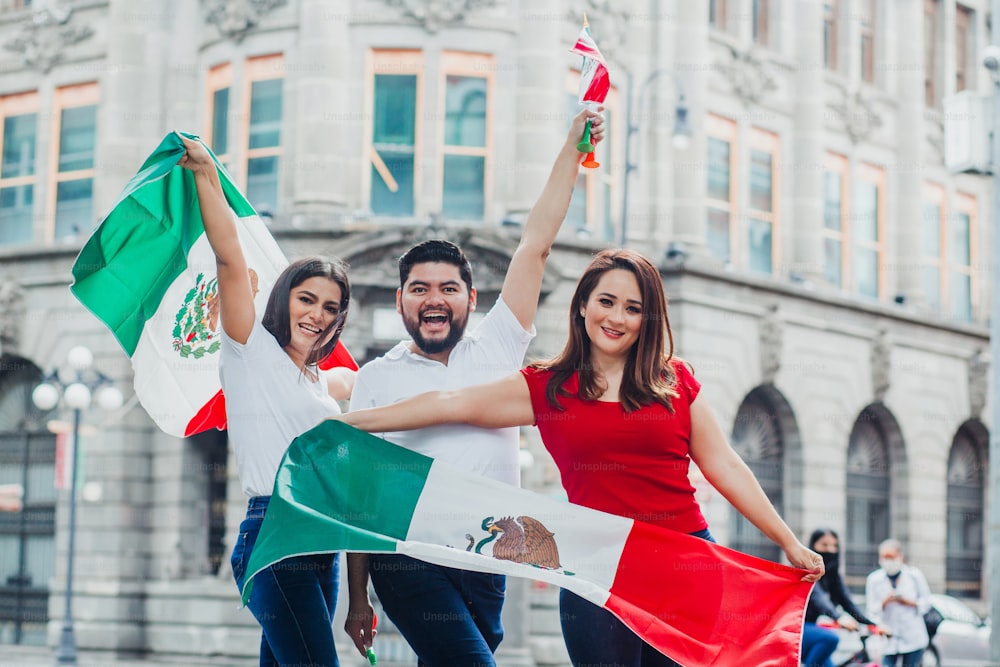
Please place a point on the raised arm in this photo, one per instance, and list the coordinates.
(235, 290)
(499, 404)
(523, 282)
(727, 472)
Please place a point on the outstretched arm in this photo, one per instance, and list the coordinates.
(523, 282)
(360, 614)
(499, 404)
(235, 291)
(728, 473)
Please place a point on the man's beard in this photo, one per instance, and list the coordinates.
(456, 330)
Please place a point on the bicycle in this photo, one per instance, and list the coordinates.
(861, 657)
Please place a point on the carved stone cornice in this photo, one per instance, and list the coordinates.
(979, 368)
(858, 113)
(748, 75)
(433, 15)
(771, 331)
(881, 364)
(236, 18)
(42, 41)
(12, 313)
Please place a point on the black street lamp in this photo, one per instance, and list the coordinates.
(681, 137)
(76, 394)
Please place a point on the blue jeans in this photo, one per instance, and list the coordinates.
(594, 636)
(818, 644)
(450, 618)
(909, 659)
(292, 600)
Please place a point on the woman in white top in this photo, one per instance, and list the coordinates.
(274, 392)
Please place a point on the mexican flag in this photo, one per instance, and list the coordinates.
(339, 489)
(149, 274)
(594, 80)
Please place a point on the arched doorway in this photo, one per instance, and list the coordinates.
(964, 544)
(764, 433)
(870, 483)
(27, 538)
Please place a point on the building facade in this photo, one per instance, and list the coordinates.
(824, 268)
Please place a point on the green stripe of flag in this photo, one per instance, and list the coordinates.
(141, 246)
(330, 497)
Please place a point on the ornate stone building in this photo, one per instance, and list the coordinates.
(823, 267)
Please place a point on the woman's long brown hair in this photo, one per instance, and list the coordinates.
(648, 377)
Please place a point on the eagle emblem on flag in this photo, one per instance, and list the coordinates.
(521, 539)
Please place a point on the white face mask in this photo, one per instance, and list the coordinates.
(892, 566)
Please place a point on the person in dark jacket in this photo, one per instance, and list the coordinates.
(830, 597)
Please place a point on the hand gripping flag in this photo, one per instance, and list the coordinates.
(149, 274)
(339, 489)
(594, 85)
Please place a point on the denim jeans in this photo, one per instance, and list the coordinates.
(595, 637)
(292, 600)
(450, 618)
(818, 644)
(911, 659)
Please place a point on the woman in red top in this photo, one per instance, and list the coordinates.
(622, 419)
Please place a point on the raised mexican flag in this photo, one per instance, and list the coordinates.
(149, 274)
(339, 489)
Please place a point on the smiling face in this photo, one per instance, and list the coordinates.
(435, 305)
(313, 306)
(613, 315)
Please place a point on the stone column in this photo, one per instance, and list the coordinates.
(805, 225)
(130, 113)
(323, 118)
(541, 120)
(903, 274)
(693, 62)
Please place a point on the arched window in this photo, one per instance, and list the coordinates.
(964, 546)
(868, 492)
(758, 439)
(27, 538)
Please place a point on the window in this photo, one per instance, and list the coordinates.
(830, 31)
(961, 249)
(596, 194)
(18, 139)
(761, 9)
(74, 137)
(468, 84)
(220, 81)
(932, 241)
(757, 437)
(868, 493)
(947, 253)
(964, 542)
(869, 16)
(395, 99)
(931, 91)
(761, 222)
(722, 185)
(964, 47)
(717, 14)
(868, 231)
(27, 538)
(265, 78)
(836, 235)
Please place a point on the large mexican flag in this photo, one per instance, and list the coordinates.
(149, 274)
(339, 489)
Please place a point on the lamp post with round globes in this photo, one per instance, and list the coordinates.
(76, 395)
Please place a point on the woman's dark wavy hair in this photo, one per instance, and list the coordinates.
(819, 534)
(276, 316)
(649, 377)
